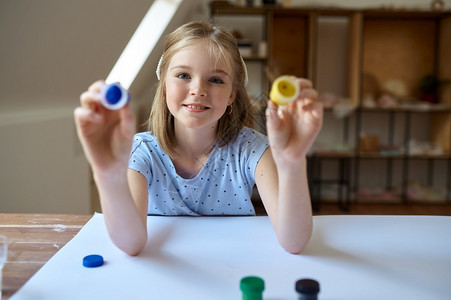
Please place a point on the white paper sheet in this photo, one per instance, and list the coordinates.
(353, 257)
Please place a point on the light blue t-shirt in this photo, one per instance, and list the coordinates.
(222, 187)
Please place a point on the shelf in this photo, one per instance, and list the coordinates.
(230, 9)
(332, 154)
(411, 108)
(375, 155)
(402, 109)
(379, 52)
(404, 14)
(426, 156)
(402, 156)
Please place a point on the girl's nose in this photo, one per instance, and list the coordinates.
(198, 89)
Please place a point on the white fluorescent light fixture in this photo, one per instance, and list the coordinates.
(143, 41)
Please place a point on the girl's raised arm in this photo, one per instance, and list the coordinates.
(106, 137)
(281, 174)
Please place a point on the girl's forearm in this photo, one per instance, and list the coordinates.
(123, 221)
(294, 220)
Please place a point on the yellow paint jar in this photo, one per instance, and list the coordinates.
(284, 90)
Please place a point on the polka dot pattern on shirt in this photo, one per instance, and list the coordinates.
(222, 187)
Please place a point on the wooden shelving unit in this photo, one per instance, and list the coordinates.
(392, 48)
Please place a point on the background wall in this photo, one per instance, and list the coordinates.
(51, 50)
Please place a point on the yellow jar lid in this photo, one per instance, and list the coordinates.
(284, 90)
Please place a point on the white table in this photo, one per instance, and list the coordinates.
(353, 257)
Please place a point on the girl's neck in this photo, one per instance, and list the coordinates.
(194, 147)
(195, 141)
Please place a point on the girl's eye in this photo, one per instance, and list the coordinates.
(183, 76)
(216, 80)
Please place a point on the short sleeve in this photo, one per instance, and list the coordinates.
(140, 157)
(251, 148)
(258, 145)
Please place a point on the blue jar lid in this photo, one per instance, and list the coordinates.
(92, 261)
(114, 96)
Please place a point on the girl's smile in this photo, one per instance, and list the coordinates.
(196, 107)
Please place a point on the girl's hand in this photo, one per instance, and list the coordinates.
(292, 128)
(106, 135)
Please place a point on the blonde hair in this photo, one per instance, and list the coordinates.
(223, 46)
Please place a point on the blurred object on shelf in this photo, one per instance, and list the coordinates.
(378, 194)
(396, 87)
(342, 148)
(262, 49)
(245, 47)
(369, 101)
(424, 148)
(417, 192)
(287, 3)
(329, 149)
(329, 192)
(328, 99)
(429, 87)
(394, 92)
(423, 106)
(387, 150)
(244, 44)
(437, 5)
(369, 143)
(341, 107)
(387, 101)
(370, 88)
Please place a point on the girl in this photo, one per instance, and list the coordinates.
(199, 156)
